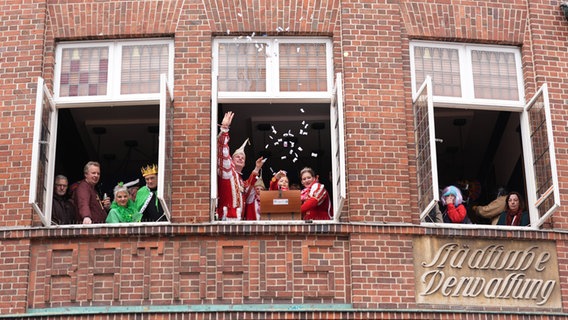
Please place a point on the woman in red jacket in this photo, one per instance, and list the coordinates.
(316, 204)
(455, 211)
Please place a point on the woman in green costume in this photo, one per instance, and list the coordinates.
(122, 208)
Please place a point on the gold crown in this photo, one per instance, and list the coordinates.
(148, 170)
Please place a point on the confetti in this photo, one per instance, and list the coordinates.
(302, 111)
(296, 154)
(285, 144)
(228, 31)
(276, 143)
(291, 144)
(291, 151)
(271, 137)
(279, 29)
(266, 146)
(315, 155)
(294, 160)
(239, 14)
(283, 157)
(280, 140)
(271, 170)
(301, 18)
(301, 131)
(287, 28)
(285, 134)
(300, 149)
(298, 49)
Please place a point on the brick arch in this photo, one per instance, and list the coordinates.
(273, 17)
(473, 23)
(75, 19)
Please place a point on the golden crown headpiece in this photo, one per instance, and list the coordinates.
(148, 170)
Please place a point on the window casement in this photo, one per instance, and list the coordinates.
(130, 102)
(274, 84)
(465, 74)
(495, 90)
(111, 71)
(273, 68)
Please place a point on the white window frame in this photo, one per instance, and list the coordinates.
(114, 72)
(334, 96)
(271, 47)
(466, 77)
(42, 206)
(534, 200)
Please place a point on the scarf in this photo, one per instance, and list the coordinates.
(514, 217)
(128, 213)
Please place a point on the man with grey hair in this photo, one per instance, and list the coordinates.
(62, 209)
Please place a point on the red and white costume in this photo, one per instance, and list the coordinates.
(316, 204)
(252, 205)
(230, 186)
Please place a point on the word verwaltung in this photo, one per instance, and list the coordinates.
(512, 264)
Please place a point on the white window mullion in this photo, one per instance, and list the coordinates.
(466, 74)
(273, 67)
(114, 72)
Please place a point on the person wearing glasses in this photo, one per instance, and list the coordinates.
(62, 209)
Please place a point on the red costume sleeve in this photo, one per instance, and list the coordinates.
(273, 184)
(456, 214)
(308, 205)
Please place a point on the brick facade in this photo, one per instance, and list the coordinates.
(361, 267)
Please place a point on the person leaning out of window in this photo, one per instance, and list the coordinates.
(63, 209)
(316, 204)
(453, 209)
(123, 208)
(514, 214)
(90, 208)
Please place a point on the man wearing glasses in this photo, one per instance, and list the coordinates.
(63, 209)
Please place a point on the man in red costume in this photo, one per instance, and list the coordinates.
(231, 186)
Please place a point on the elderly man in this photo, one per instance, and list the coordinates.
(146, 200)
(62, 209)
(90, 208)
(231, 186)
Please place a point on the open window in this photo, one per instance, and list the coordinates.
(473, 130)
(113, 104)
(283, 95)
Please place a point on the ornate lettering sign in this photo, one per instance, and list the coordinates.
(488, 273)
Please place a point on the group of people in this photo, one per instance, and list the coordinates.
(506, 209)
(84, 205)
(239, 199)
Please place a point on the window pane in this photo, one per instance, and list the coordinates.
(141, 68)
(84, 72)
(242, 67)
(303, 67)
(442, 64)
(424, 152)
(494, 75)
(541, 153)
